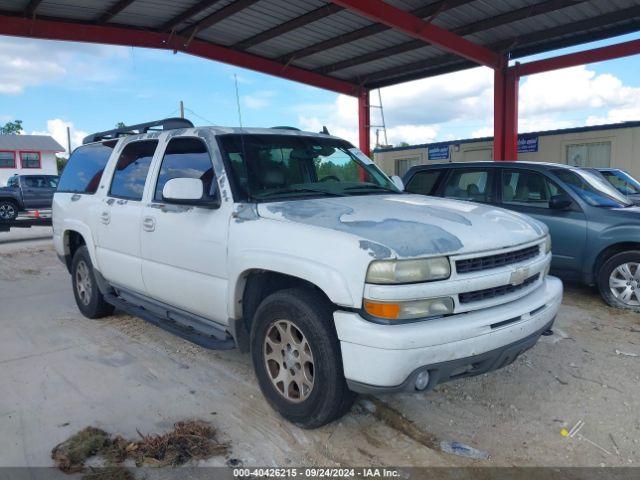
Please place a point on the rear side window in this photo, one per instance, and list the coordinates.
(186, 158)
(84, 169)
(36, 182)
(131, 170)
(423, 182)
(472, 185)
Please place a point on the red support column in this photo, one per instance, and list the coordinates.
(505, 114)
(364, 122)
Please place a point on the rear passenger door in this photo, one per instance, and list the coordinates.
(473, 184)
(35, 192)
(119, 218)
(184, 247)
(529, 192)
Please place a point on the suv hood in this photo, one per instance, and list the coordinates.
(409, 226)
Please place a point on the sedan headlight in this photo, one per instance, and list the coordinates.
(428, 307)
(547, 244)
(408, 271)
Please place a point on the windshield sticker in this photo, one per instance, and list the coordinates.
(361, 156)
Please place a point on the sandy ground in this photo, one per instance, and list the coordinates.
(60, 372)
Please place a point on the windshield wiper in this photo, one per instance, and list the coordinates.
(371, 187)
(286, 191)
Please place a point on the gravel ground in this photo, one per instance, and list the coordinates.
(61, 372)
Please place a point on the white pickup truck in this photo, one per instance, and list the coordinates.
(296, 247)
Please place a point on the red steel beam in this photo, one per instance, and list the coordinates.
(364, 122)
(505, 115)
(381, 12)
(601, 54)
(113, 35)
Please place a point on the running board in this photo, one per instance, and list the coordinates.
(201, 333)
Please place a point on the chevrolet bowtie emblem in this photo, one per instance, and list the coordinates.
(519, 276)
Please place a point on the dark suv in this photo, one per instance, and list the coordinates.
(594, 228)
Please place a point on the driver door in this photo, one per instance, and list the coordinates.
(529, 192)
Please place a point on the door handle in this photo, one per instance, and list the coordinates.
(105, 217)
(149, 224)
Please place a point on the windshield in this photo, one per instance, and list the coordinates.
(622, 181)
(273, 167)
(593, 188)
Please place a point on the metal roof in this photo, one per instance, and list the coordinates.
(40, 143)
(325, 38)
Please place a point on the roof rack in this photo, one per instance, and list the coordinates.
(284, 127)
(164, 124)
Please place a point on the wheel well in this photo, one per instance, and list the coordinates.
(10, 200)
(72, 241)
(612, 250)
(259, 284)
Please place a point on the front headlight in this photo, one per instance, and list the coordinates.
(428, 307)
(408, 271)
(547, 244)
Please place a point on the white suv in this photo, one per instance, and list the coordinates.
(296, 247)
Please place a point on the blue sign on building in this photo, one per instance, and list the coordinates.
(527, 144)
(439, 153)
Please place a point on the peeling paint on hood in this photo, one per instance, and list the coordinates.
(410, 225)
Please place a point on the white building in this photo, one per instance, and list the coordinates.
(27, 154)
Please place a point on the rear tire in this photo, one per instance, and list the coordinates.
(8, 211)
(297, 359)
(89, 299)
(619, 280)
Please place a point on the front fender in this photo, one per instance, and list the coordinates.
(328, 279)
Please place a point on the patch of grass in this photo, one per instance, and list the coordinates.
(70, 455)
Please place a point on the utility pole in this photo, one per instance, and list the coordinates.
(69, 140)
(181, 109)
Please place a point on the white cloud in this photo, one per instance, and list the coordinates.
(460, 105)
(258, 99)
(29, 63)
(57, 128)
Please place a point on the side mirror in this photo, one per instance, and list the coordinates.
(397, 181)
(187, 191)
(560, 202)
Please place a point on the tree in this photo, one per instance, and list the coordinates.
(403, 144)
(12, 128)
(120, 125)
(60, 162)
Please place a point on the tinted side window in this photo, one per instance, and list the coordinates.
(186, 158)
(423, 182)
(131, 170)
(527, 188)
(84, 169)
(36, 182)
(472, 185)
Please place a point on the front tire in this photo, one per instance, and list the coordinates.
(8, 211)
(89, 299)
(297, 359)
(619, 280)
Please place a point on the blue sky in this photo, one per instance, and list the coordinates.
(91, 87)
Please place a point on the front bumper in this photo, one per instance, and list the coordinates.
(386, 357)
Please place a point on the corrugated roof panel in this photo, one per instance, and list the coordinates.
(256, 19)
(13, 5)
(150, 13)
(75, 9)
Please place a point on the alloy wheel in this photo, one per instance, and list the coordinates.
(83, 282)
(289, 361)
(7, 211)
(624, 283)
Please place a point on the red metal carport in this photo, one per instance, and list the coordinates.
(350, 46)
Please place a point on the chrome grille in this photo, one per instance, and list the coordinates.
(487, 293)
(494, 261)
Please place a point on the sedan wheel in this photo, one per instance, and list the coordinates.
(7, 211)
